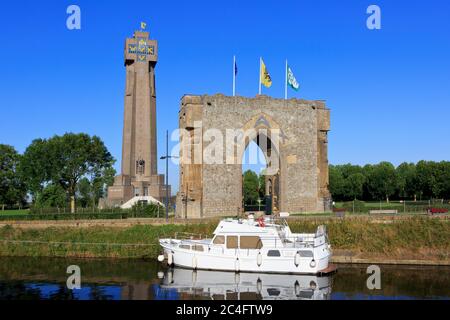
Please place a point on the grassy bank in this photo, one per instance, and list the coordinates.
(415, 238)
(14, 213)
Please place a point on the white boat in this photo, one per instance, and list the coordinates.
(220, 285)
(259, 245)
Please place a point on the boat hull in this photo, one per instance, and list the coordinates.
(247, 260)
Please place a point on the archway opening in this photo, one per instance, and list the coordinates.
(259, 182)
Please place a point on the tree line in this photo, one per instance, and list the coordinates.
(75, 169)
(70, 169)
(423, 180)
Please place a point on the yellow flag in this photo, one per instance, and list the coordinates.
(265, 76)
(143, 25)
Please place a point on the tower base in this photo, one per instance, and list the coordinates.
(126, 187)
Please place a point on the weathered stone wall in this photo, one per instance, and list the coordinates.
(302, 151)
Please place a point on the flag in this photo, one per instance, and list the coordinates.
(265, 76)
(292, 82)
(234, 75)
(143, 25)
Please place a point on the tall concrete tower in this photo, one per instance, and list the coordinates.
(139, 174)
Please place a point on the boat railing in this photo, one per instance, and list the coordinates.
(293, 242)
(188, 236)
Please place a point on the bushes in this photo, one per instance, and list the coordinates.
(65, 210)
(140, 210)
(67, 216)
(144, 210)
(356, 206)
(410, 236)
(424, 180)
(401, 207)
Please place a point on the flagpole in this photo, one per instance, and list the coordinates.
(234, 76)
(259, 76)
(285, 81)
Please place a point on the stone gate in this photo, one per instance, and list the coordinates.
(214, 133)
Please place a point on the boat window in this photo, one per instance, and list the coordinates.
(306, 253)
(219, 240)
(185, 246)
(273, 253)
(273, 292)
(232, 242)
(306, 294)
(250, 242)
(197, 247)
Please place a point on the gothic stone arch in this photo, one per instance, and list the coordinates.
(300, 128)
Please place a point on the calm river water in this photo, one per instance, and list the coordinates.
(45, 278)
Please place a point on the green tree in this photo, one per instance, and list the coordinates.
(433, 178)
(101, 183)
(336, 182)
(445, 179)
(350, 169)
(250, 187)
(35, 168)
(12, 187)
(354, 185)
(426, 178)
(51, 196)
(407, 180)
(382, 181)
(90, 191)
(442, 178)
(64, 160)
(262, 185)
(346, 182)
(85, 194)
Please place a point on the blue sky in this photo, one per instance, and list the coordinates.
(388, 89)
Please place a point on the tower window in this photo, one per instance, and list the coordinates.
(140, 166)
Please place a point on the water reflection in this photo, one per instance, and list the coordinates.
(109, 279)
(249, 286)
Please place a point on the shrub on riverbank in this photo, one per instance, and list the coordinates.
(139, 210)
(388, 238)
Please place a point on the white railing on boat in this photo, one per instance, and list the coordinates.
(188, 236)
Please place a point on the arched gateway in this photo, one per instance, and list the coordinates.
(214, 133)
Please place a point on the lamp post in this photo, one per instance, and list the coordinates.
(166, 157)
(259, 204)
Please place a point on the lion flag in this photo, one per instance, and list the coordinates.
(264, 76)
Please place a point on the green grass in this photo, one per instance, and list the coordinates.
(92, 242)
(15, 212)
(409, 207)
(383, 204)
(414, 238)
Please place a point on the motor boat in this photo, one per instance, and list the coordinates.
(266, 245)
